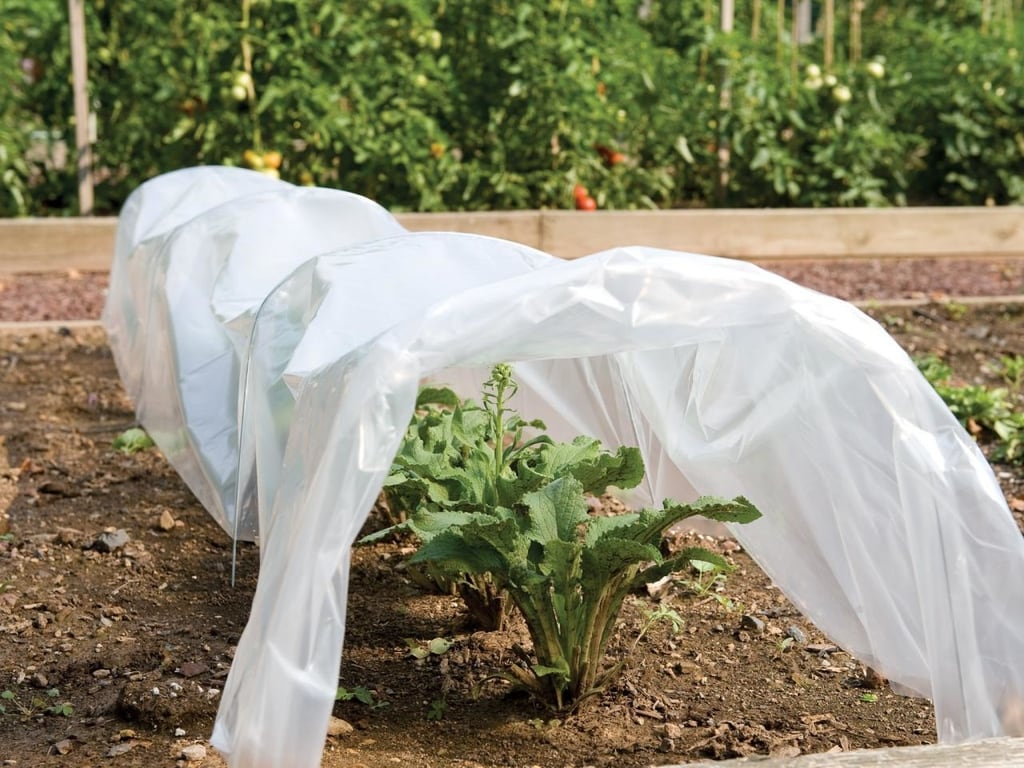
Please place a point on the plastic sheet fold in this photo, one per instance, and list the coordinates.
(274, 338)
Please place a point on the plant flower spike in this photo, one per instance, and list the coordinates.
(279, 368)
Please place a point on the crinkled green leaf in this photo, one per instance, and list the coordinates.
(428, 524)
(439, 646)
(554, 512)
(679, 562)
(560, 562)
(132, 440)
(416, 650)
(594, 467)
(451, 549)
(737, 510)
(437, 396)
(610, 556)
(651, 523)
(602, 526)
(558, 670)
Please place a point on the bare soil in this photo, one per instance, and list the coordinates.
(76, 295)
(137, 640)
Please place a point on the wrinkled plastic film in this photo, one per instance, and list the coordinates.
(882, 520)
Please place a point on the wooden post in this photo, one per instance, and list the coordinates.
(724, 105)
(802, 14)
(728, 12)
(780, 29)
(830, 34)
(794, 52)
(80, 86)
(856, 11)
(986, 14)
(755, 24)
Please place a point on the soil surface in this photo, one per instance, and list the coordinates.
(78, 295)
(118, 624)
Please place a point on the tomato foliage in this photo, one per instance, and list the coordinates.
(506, 104)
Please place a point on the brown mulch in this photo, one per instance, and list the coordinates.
(80, 295)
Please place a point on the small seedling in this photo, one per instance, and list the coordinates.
(438, 709)
(360, 694)
(870, 698)
(9, 699)
(955, 310)
(979, 408)
(64, 709)
(730, 605)
(710, 577)
(133, 440)
(1011, 368)
(436, 647)
(663, 613)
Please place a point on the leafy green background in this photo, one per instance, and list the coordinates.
(497, 104)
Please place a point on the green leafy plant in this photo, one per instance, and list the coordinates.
(360, 694)
(438, 709)
(491, 503)
(35, 705)
(459, 458)
(707, 577)
(475, 105)
(956, 310)
(979, 408)
(1011, 368)
(568, 573)
(133, 440)
(436, 647)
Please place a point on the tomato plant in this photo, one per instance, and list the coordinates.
(469, 104)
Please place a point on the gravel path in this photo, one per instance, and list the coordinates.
(80, 295)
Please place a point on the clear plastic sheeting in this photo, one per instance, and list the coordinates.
(278, 373)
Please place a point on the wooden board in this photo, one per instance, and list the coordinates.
(520, 226)
(39, 245)
(795, 233)
(44, 245)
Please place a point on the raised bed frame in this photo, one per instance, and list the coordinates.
(44, 245)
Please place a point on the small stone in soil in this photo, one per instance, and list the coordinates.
(194, 753)
(797, 634)
(821, 648)
(752, 622)
(193, 668)
(62, 747)
(120, 749)
(166, 521)
(109, 541)
(673, 731)
(338, 727)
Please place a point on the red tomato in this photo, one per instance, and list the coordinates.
(579, 192)
(586, 203)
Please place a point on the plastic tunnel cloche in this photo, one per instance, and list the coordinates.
(273, 340)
